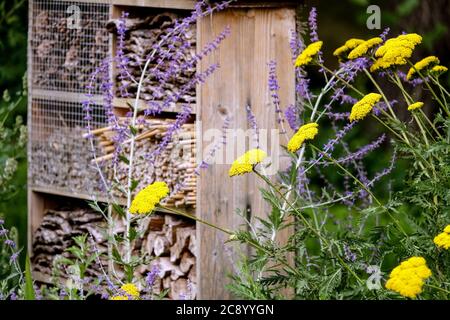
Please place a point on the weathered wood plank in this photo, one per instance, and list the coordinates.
(258, 36)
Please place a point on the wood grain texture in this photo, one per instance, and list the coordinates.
(257, 36)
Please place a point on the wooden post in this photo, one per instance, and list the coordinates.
(258, 35)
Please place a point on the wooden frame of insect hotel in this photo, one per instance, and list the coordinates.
(68, 40)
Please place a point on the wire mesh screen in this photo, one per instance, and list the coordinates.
(68, 41)
(60, 157)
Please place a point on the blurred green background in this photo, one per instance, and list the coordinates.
(338, 21)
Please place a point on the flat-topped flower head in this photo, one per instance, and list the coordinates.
(422, 65)
(246, 162)
(146, 199)
(305, 132)
(364, 106)
(438, 70)
(119, 297)
(364, 47)
(408, 278)
(131, 290)
(308, 54)
(415, 106)
(395, 51)
(350, 44)
(442, 240)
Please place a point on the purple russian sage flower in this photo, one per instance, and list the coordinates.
(13, 296)
(385, 33)
(313, 34)
(385, 171)
(349, 255)
(296, 44)
(2, 222)
(10, 243)
(338, 115)
(382, 106)
(362, 152)
(105, 296)
(414, 82)
(312, 22)
(14, 257)
(302, 181)
(251, 120)
(152, 275)
(292, 117)
(345, 98)
(3, 232)
(302, 85)
(274, 87)
(122, 61)
(38, 292)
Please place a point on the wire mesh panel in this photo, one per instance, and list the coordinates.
(60, 157)
(68, 41)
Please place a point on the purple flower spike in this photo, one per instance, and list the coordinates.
(10, 243)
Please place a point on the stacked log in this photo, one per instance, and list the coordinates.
(65, 57)
(171, 242)
(62, 161)
(175, 164)
(142, 35)
(55, 235)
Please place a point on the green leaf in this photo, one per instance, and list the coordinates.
(124, 159)
(119, 209)
(29, 290)
(133, 130)
(134, 184)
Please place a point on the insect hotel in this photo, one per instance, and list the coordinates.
(67, 41)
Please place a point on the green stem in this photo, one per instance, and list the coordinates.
(437, 288)
(431, 89)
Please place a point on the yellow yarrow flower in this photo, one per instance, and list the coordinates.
(308, 54)
(246, 162)
(395, 51)
(349, 45)
(146, 199)
(409, 277)
(438, 70)
(364, 47)
(305, 132)
(119, 297)
(425, 63)
(415, 106)
(363, 107)
(130, 289)
(442, 240)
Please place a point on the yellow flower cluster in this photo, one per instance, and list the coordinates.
(425, 63)
(348, 45)
(364, 47)
(119, 297)
(146, 199)
(395, 51)
(130, 290)
(442, 240)
(308, 54)
(246, 162)
(306, 132)
(364, 106)
(408, 278)
(415, 106)
(438, 70)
